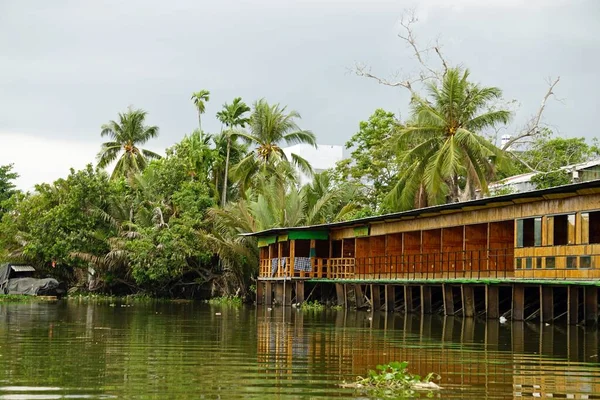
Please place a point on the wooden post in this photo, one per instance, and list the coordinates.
(492, 302)
(287, 293)
(360, 296)
(518, 336)
(278, 286)
(409, 305)
(268, 293)
(300, 292)
(591, 305)
(448, 300)
(375, 297)
(279, 269)
(547, 303)
(518, 302)
(341, 296)
(260, 292)
(390, 297)
(293, 258)
(468, 300)
(425, 299)
(572, 305)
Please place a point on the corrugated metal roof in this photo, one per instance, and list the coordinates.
(572, 189)
(22, 268)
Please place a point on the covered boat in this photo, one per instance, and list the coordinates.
(19, 279)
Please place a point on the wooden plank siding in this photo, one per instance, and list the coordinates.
(546, 236)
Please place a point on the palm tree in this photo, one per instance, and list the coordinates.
(200, 98)
(231, 116)
(449, 158)
(127, 135)
(269, 127)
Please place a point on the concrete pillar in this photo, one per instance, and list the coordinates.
(518, 302)
(425, 299)
(341, 294)
(268, 293)
(299, 291)
(492, 302)
(591, 305)
(547, 303)
(448, 300)
(572, 305)
(375, 297)
(260, 292)
(390, 297)
(468, 300)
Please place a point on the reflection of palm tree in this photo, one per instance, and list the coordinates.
(269, 127)
(200, 99)
(451, 159)
(231, 116)
(127, 135)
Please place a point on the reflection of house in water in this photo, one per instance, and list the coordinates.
(472, 357)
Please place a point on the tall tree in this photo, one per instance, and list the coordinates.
(270, 126)
(200, 99)
(7, 186)
(231, 116)
(452, 159)
(127, 134)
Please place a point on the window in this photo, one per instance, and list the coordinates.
(550, 262)
(537, 261)
(518, 262)
(571, 262)
(561, 229)
(585, 262)
(528, 263)
(529, 232)
(590, 227)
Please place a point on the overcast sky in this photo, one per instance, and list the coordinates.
(68, 66)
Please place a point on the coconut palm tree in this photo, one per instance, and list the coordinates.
(449, 158)
(231, 116)
(200, 99)
(127, 134)
(270, 126)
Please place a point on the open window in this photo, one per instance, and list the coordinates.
(529, 232)
(590, 227)
(561, 229)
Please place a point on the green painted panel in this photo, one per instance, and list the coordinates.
(266, 240)
(316, 235)
(360, 231)
(282, 238)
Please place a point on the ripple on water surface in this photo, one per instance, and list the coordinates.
(78, 351)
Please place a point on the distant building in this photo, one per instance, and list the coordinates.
(321, 158)
(587, 171)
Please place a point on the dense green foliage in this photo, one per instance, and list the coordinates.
(172, 226)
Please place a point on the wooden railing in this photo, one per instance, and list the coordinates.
(470, 264)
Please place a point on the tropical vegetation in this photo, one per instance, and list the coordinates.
(172, 224)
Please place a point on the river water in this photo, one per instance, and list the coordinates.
(193, 350)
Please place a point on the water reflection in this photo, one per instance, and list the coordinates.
(475, 358)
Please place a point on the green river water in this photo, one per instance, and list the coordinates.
(198, 351)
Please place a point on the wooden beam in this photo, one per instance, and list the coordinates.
(390, 297)
(376, 297)
(448, 300)
(300, 292)
(591, 305)
(409, 305)
(341, 295)
(268, 293)
(278, 286)
(547, 303)
(572, 305)
(287, 293)
(360, 296)
(518, 302)
(492, 302)
(468, 300)
(260, 292)
(425, 299)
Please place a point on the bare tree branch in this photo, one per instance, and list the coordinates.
(533, 127)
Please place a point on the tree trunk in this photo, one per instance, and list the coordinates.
(200, 120)
(224, 194)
